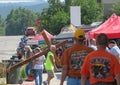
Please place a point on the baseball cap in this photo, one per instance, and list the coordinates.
(112, 41)
(79, 33)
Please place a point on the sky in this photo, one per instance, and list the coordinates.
(14, 1)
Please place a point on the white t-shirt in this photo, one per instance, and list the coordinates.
(115, 50)
(93, 47)
(39, 64)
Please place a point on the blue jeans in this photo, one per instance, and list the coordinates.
(75, 81)
(28, 68)
(38, 76)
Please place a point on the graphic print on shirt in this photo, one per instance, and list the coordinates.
(77, 59)
(100, 67)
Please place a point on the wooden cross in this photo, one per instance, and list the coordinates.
(58, 62)
(33, 57)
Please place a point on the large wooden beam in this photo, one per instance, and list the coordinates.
(30, 59)
(58, 62)
(46, 39)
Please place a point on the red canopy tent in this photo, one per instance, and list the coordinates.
(111, 27)
(40, 37)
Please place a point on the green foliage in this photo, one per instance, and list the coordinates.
(2, 26)
(22, 72)
(57, 21)
(58, 14)
(115, 8)
(2, 31)
(2, 21)
(18, 20)
(2, 68)
(54, 18)
(91, 11)
(43, 46)
(53, 2)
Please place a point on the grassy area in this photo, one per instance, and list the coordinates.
(2, 31)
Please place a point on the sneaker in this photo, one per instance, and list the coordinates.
(45, 83)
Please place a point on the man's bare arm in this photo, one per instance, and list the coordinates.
(83, 79)
(64, 74)
(117, 77)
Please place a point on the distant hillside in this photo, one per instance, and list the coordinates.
(6, 8)
(37, 8)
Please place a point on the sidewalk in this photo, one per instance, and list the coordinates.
(55, 81)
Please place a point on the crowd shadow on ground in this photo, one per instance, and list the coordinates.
(58, 75)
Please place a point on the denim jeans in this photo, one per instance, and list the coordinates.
(28, 68)
(75, 81)
(38, 76)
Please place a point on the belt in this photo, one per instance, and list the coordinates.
(104, 83)
(75, 77)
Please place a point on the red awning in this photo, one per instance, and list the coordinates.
(40, 37)
(111, 27)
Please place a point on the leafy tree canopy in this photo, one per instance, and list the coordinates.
(91, 10)
(1, 21)
(2, 26)
(115, 8)
(18, 20)
(53, 18)
(57, 15)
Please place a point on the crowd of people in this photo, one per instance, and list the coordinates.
(35, 68)
(95, 64)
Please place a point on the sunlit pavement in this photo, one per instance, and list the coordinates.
(55, 81)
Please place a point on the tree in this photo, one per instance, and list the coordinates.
(67, 5)
(2, 21)
(2, 26)
(115, 8)
(57, 21)
(53, 2)
(57, 15)
(18, 20)
(91, 10)
(50, 17)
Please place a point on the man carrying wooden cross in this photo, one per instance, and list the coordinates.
(50, 65)
(51, 61)
(12, 68)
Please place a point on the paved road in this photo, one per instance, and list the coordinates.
(55, 81)
(8, 46)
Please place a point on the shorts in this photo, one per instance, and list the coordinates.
(50, 73)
